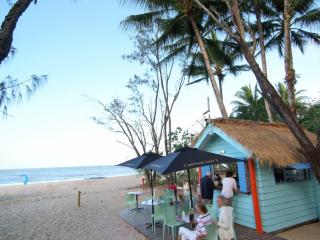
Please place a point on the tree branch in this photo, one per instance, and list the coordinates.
(8, 26)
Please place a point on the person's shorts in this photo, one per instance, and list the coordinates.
(229, 201)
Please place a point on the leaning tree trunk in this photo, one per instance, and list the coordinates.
(263, 55)
(208, 67)
(8, 26)
(288, 59)
(310, 151)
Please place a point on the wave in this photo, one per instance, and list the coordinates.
(45, 175)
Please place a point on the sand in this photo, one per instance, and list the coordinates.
(305, 232)
(49, 210)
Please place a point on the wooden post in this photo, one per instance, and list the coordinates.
(199, 175)
(79, 196)
(318, 139)
(142, 183)
(255, 199)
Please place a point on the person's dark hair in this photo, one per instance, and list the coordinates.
(229, 174)
(202, 207)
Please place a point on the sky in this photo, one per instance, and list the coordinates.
(79, 45)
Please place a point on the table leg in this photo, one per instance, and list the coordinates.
(150, 224)
(137, 204)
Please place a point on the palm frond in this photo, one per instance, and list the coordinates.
(197, 81)
(142, 20)
(298, 40)
(310, 36)
(309, 19)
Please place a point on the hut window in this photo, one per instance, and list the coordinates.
(290, 174)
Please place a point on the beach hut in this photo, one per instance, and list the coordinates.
(278, 189)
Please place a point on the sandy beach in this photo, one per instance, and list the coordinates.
(49, 210)
(305, 232)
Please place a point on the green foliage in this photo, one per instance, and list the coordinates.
(305, 17)
(182, 177)
(180, 138)
(250, 105)
(223, 56)
(300, 99)
(10, 90)
(310, 116)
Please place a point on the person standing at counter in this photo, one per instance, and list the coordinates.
(217, 179)
(229, 185)
(206, 188)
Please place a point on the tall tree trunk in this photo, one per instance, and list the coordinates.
(263, 54)
(208, 67)
(8, 26)
(165, 135)
(220, 79)
(288, 59)
(318, 140)
(310, 152)
(169, 134)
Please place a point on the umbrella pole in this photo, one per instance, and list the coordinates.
(151, 185)
(191, 201)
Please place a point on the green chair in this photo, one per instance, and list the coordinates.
(164, 198)
(211, 210)
(130, 200)
(170, 194)
(214, 212)
(212, 231)
(159, 215)
(170, 221)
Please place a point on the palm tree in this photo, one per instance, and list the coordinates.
(237, 31)
(10, 90)
(250, 105)
(287, 25)
(223, 59)
(182, 24)
(300, 100)
(257, 7)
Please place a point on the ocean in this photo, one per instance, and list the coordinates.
(39, 175)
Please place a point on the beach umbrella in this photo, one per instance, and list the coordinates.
(140, 162)
(186, 158)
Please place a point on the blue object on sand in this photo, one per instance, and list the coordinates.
(25, 179)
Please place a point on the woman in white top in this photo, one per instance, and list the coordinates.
(229, 185)
(225, 223)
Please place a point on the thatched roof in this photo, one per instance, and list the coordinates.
(270, 143)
